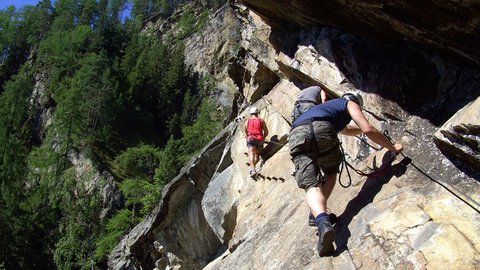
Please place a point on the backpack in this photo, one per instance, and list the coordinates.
(300, 107)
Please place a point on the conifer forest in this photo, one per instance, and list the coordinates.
(83, 80)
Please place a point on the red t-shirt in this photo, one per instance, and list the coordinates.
(254, 129)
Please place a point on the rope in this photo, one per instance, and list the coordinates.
(268, 110)
(344, 161)
(380, 172)
(281, 144)
(437, 179)
(433, 177)
(345, 164)
(365, 142)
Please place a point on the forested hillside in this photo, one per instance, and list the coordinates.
(89, 100)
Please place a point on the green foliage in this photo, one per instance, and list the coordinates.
(141, 9)
(15, 142)
(20, 30)
(164, 7)
(202, 21)
(121, 222)
(88, 10)
(195, 136)
(114, 97)
(169, 162)
(157, 86)
(186, 24)
(140, 195)
(84, 111)
(206, 126)
(14, 127)
(144, 9)
(106, 244)
(144, 62)
(80, 224)
(139, 161)
(60, 52)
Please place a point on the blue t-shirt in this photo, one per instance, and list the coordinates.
(333, 111)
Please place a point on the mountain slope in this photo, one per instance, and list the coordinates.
(421, 214)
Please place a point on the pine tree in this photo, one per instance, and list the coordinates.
(110, 91)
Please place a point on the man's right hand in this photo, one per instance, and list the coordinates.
(398, 148)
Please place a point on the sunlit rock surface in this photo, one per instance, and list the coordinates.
(421, 213)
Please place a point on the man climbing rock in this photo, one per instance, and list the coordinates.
(314, 148)
(306, 99)
(256, 131)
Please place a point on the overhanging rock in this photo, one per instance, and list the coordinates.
(460, 136)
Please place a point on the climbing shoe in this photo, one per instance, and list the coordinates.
(326, 237)
(332, 216)
(253, 173)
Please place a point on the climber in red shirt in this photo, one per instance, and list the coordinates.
(256, 131)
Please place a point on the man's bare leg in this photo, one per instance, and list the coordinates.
(252, 157)
(317, 196)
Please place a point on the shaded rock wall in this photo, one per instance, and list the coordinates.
(421, 214)
(447, 27)
(176, 231)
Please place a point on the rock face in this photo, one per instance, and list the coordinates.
(95, 180)
(460, 136)
(422, 213)
(176, 232)
(447, 27)
(43, 113)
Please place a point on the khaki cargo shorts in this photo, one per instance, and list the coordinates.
(308, 164)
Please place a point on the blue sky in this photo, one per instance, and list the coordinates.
(20, 3)
(17, 3)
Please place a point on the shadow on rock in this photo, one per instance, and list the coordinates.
(369, 189)
(273, 146)
(260, 176)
